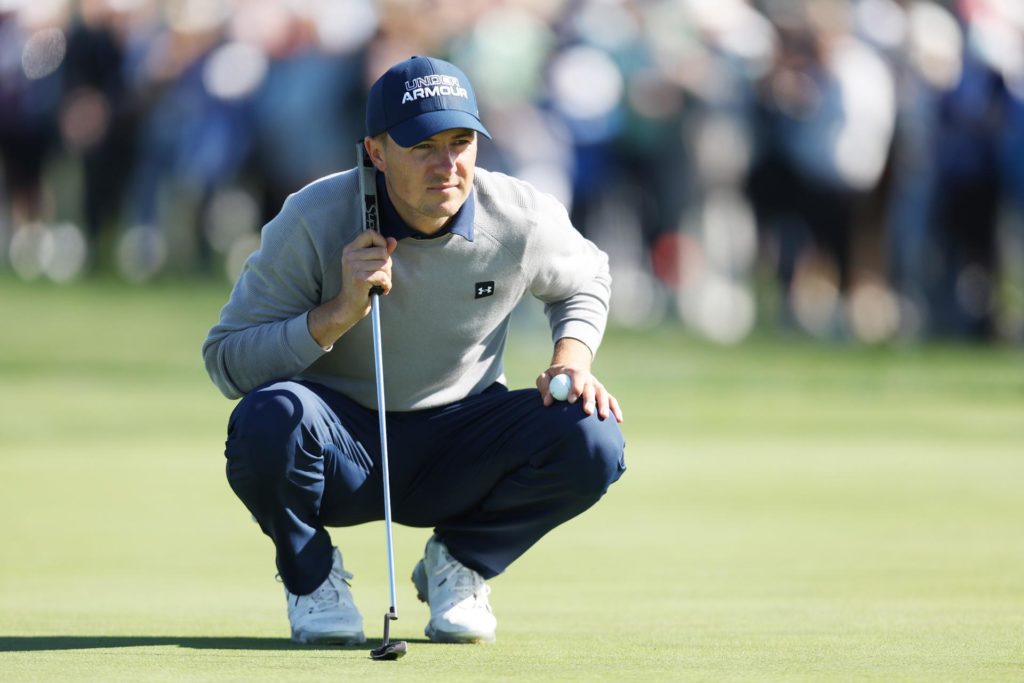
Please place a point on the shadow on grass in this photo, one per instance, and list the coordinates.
(52, 643)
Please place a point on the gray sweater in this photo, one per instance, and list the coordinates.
(440, 341)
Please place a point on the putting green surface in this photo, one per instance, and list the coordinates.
(791, 512)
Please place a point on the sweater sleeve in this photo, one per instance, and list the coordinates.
(262, 333)
(570, 275)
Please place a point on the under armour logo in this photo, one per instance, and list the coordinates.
(484, 289)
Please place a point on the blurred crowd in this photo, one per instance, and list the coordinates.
(848, 169)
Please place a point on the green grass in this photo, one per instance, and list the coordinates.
(791, 512)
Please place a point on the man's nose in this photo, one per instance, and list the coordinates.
(446, 156)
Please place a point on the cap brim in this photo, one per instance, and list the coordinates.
(419, 128)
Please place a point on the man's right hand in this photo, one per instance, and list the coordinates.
(365, 264)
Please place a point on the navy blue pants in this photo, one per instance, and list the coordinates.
(492, 473)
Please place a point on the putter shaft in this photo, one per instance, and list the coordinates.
(379, 369)
(388, 651)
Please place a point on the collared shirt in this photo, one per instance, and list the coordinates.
(392, 225)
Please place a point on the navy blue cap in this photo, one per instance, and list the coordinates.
(421, 97)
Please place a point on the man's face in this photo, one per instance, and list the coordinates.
(428, 182)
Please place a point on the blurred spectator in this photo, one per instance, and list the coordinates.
(32, 47)
(97, 117)
(957, 170)
(197, 134)
(929, 65)
(309, 107)
(971, 121)
(827, 113)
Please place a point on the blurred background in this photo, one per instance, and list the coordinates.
(834, 169)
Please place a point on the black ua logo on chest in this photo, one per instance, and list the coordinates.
(484, 289)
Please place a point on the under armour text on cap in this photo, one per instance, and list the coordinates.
(421, 97)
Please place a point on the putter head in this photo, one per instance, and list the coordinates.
(390, 651)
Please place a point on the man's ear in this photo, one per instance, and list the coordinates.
(375, 148)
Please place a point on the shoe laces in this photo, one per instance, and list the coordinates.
(462, 581)
(329, 595)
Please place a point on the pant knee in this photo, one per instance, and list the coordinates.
(596, 453)
(262, 430)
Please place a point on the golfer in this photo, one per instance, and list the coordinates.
(488, 469)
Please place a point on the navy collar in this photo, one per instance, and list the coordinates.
(392, 225)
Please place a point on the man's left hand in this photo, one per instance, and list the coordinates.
(573, 358)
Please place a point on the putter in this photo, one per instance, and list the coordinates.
(368, 188)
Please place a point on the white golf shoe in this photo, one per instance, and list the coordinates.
(328, 615)
(457, 595)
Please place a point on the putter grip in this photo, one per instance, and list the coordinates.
(378, 290)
